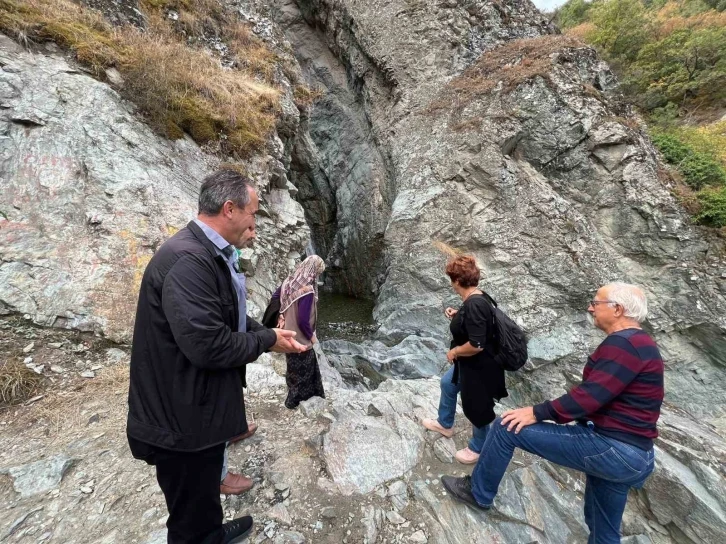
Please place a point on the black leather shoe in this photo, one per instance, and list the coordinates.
(460, 489)
(237, 530)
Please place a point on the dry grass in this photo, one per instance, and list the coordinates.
(581, 31)
(69, 410)
(17, 383)
(508, 65)
(250, 54)
(83, 31)
(304, 96)
(180, 88)
(187, 90)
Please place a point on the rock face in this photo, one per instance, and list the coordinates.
(467, 123)
(361, 451)
(510, 142)
(90, 192)
(504, 139)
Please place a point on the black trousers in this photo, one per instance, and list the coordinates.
(190, 483)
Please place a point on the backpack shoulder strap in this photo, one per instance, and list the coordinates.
(489, 299)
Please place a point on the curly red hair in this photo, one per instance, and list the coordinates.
(463, 269)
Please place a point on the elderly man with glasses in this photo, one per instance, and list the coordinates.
(616, 408)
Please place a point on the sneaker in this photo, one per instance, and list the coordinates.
(235, 484)
(433, 425)
(237, 530)
(466, 456)
(460, 489)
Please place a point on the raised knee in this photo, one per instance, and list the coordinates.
(445, 382)
(498, 428)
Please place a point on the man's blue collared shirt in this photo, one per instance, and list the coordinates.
(238, 279)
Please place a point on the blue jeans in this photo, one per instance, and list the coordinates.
(612, 468)
(447, 411)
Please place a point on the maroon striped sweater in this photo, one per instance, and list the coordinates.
(621, 390)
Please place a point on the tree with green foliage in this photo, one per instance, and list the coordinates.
(572, 13)
(621, 28)
(671, 56)
(687, 65)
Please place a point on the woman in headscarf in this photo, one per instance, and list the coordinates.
(299, 312)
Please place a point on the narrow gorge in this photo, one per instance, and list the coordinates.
(469, 123)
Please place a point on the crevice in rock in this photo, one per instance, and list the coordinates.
(342, 172)
(25, 122)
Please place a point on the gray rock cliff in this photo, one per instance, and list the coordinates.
(465, 122)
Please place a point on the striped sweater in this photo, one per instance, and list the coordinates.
(621, 390)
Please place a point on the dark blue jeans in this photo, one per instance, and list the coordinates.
(612, 468)
(447, 411)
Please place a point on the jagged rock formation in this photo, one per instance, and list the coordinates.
(504, 139)
(524, 157)
(460, 121)
(90, 192)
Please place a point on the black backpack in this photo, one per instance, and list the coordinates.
(510, 346)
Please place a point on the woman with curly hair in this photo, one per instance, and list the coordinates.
(475, 374)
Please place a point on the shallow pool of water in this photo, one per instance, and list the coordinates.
(341, 317)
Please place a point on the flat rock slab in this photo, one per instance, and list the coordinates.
(445, 449)
(40, 476)
(361, 452)
(313, 407)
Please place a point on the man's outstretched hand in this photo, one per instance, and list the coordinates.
(518, 419)
(286, 342)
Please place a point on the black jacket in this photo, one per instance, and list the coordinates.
(480, 378)
(185, 392)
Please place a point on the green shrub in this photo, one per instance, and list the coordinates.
(674, 151)
(572, 13)
(713, 207)
(699, 169)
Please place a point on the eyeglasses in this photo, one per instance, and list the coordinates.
(596, 302)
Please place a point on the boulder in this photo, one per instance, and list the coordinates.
(40, 476)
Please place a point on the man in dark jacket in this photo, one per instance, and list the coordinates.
(192, 340)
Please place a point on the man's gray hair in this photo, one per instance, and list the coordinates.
(631, 298)
(223, 185)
